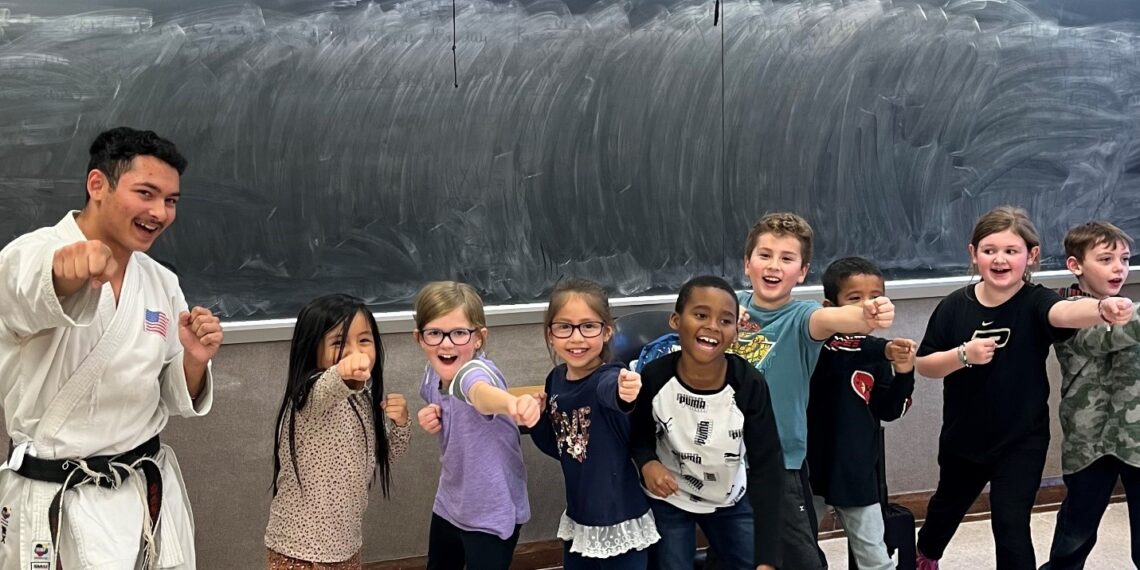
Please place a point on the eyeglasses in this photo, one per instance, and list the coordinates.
(459, 337)
(589, 329)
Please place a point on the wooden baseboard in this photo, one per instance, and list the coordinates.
(548, 553)
(529, 556)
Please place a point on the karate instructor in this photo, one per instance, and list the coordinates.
(97, 350)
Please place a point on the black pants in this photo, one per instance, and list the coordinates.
(800, 532)
(452, 548)
(1088, 493)
(1014, 479)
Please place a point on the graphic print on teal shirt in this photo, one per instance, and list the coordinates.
(783, 350)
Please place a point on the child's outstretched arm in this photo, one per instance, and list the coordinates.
(348, 377)
(877, 313)
(1099, 341)
(628, 386)
(489, 400)
(617, 389)
(890, 397)
(485, 389)
(1087, 312)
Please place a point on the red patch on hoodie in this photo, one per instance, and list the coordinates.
(862, 383)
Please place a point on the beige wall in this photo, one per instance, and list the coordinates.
(226, 456)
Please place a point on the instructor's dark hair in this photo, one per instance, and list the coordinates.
(113, 150)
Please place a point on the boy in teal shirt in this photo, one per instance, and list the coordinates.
(782, 338)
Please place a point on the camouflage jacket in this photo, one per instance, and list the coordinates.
(1100, 393)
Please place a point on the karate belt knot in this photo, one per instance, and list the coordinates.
(110, 471)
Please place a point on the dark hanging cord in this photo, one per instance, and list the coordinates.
(723, 156)
(454, 62)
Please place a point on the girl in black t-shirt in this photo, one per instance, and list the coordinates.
(989, 341)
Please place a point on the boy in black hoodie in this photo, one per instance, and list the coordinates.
(858, 382)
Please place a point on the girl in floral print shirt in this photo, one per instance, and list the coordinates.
(585, 425)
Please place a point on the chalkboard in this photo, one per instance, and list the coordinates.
(632, 142)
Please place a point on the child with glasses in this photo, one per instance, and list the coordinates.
(481, 502)
(585, 426)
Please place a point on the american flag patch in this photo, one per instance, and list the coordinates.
(156, 322)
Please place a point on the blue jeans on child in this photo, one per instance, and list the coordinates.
(728, 530)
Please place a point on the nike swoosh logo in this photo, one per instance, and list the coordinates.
(985, 324)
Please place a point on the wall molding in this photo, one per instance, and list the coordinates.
(273, 330)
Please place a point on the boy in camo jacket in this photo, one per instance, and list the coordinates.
(1100, 401)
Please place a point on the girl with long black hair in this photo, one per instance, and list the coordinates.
(336, 432)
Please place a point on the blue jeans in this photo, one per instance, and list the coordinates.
(728, 529)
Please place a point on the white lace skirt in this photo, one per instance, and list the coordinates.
(608, 541)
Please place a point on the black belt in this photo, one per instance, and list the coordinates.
(58, 470)
(112, 468)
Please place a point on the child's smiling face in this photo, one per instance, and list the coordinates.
(448, 356)
(858, 288)
(1002, 258)
(581, 353)
(335, 347)
(706, 325)
(775, 266)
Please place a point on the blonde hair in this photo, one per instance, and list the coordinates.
(439, 298)
(782, 224)
(1013, 219)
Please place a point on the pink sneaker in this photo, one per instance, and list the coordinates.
(921, 562)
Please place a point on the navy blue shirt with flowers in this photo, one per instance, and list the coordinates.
(586, 427)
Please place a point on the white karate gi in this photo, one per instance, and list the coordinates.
(82, 377)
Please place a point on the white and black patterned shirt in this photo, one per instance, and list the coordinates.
(700, 441)
(720, 445)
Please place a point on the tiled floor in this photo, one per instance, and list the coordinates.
(973, 546)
